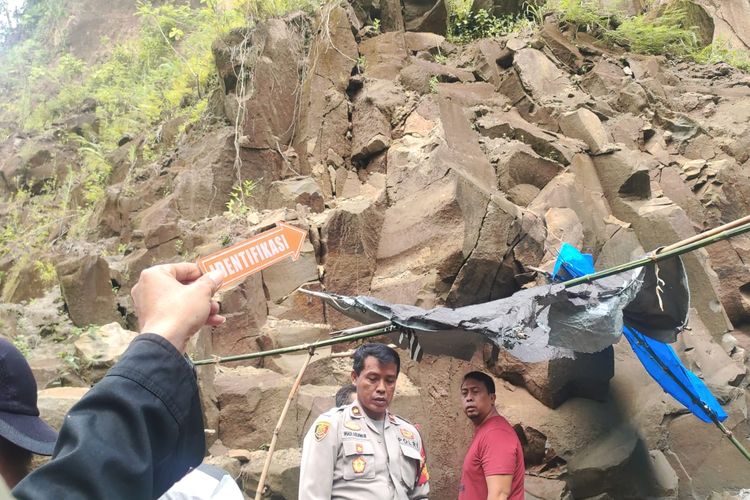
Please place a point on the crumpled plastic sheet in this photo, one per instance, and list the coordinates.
(544, 322)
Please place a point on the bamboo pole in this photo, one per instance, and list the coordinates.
(711, 414)
(696, 244)
(302, 347)
(272, 447)
(733, 439)
(705, 234)
(376, 329)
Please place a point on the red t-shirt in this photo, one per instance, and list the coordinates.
(495, 450)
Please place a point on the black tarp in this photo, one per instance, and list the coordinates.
(544, 322)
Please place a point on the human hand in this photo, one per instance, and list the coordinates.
(174, 301)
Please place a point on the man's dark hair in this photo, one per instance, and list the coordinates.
(483, 378)
(344, 395)
(384, 354)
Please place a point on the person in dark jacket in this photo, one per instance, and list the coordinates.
(140, 429)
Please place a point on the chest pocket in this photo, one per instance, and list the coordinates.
(359, 459)
(409, 464)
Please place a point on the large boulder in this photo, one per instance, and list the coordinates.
(371, 130)
(283, 475)
(269, 111)
(511, 125)
(55, 403)
(298, 190)
(731, 24)
(285, 333)
(350, 238)
(206, 174)
(252, 391)
(87, 290)
(554, 382)
(389, 12)
(584, 125)
(284, 277)
(23, 282)
(245, 309)
(323, 121)
(99, 349)
(384, 55)
(546, 83)
(426, 15)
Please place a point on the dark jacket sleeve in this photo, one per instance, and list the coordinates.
(134, 434)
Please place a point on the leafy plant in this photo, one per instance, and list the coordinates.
(666, 34)
(46, 271)
(720, 51)
(71, 361)
(582, 14)
(433, 84)
(21, 342)
(474, 25)
(376, 25)
(237, 206)
(361, 64)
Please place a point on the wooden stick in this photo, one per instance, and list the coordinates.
(272, 447)
(664, 254)
(706, 234)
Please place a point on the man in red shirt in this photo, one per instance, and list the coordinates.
(493, 467)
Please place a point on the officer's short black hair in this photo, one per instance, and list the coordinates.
(483, 378)
(384, 354)
(344, 394)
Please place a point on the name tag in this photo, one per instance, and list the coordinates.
(353, 434)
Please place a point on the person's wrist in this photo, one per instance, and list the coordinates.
(166, 331)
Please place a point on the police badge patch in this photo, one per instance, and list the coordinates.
(407, 433)
(321, 430)
(359, 464)
(354, 426)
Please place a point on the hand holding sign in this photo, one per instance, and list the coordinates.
(174, 301)
(250, 256)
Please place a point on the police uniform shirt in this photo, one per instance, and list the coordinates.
(347, 456)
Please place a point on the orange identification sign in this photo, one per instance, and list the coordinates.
(250, 256)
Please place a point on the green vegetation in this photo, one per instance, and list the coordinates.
(237, 206)
(668, 33)
(720, 52)
(433, 84)
(22, 344)
(167, 71)
(162, 73)
(469, 25)
(46, 271)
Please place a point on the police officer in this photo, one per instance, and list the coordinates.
(361, 450)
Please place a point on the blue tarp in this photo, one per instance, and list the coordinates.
(659, 359)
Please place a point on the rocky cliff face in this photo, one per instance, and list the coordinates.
(428, 173)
